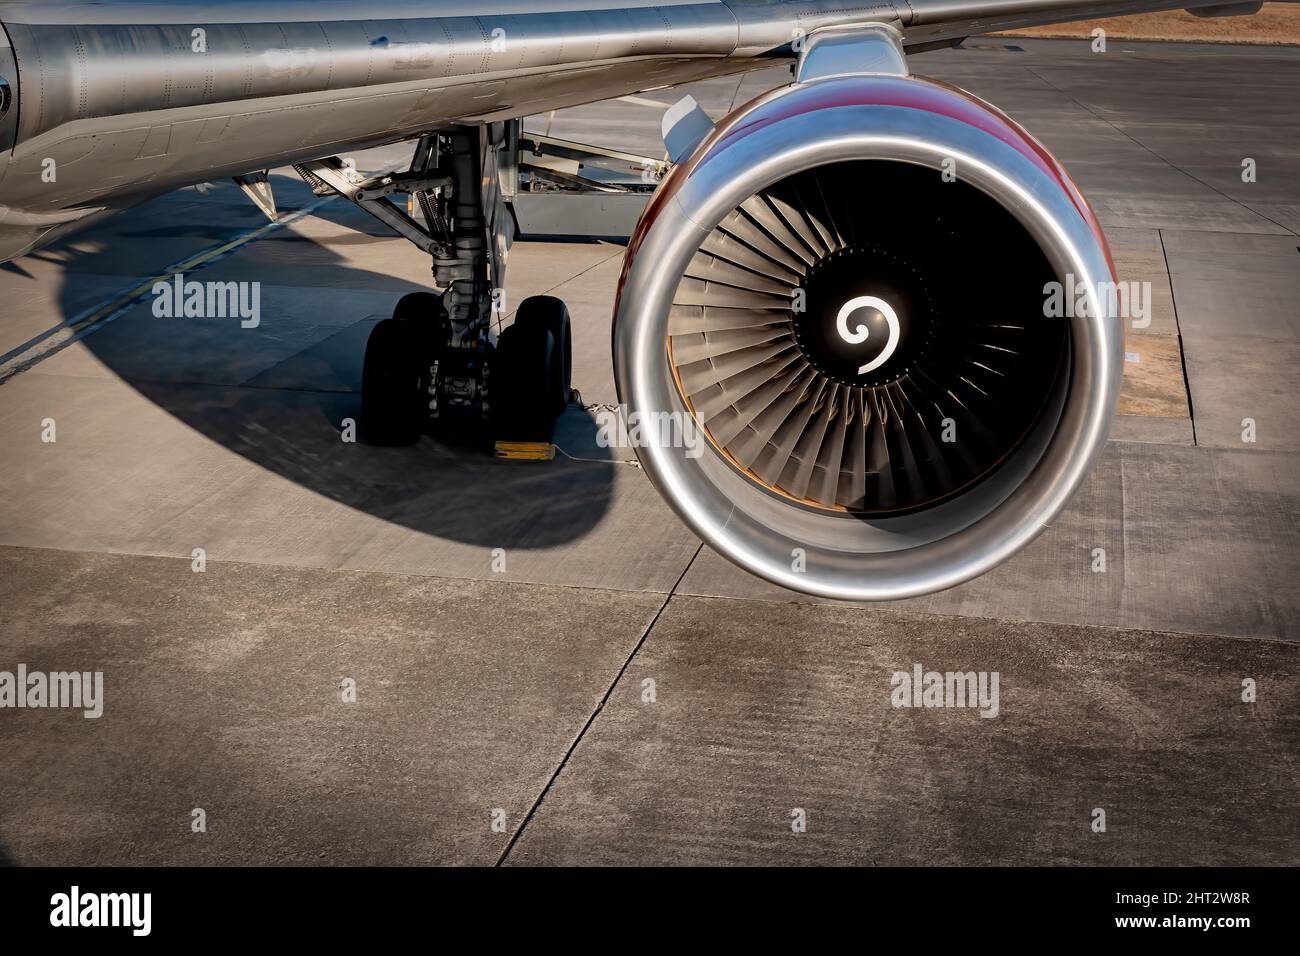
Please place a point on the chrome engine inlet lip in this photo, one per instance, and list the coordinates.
(904, 120)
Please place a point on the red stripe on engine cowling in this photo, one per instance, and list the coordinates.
(923, 94)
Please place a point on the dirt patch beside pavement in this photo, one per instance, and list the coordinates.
(1276, 24)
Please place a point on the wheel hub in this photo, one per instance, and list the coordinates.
(866, 318)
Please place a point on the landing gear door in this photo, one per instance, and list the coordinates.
(500, 186)
(507, 150)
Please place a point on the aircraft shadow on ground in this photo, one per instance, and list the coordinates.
(290, 418)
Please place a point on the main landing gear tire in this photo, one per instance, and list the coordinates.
(395, 379)
(532, 371)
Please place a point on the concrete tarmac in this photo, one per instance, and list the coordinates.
(422, 655)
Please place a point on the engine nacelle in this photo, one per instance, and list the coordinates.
(885, 306)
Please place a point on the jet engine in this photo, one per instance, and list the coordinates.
(883, 304)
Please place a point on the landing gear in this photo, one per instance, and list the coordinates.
(436, 358)
(531, 371)
(410, 372)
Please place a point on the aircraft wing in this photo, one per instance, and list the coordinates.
(105, 104)
(927, 20)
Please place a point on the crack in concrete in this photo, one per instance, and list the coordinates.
(591, 719)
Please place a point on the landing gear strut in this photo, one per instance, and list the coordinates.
(438, 358)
